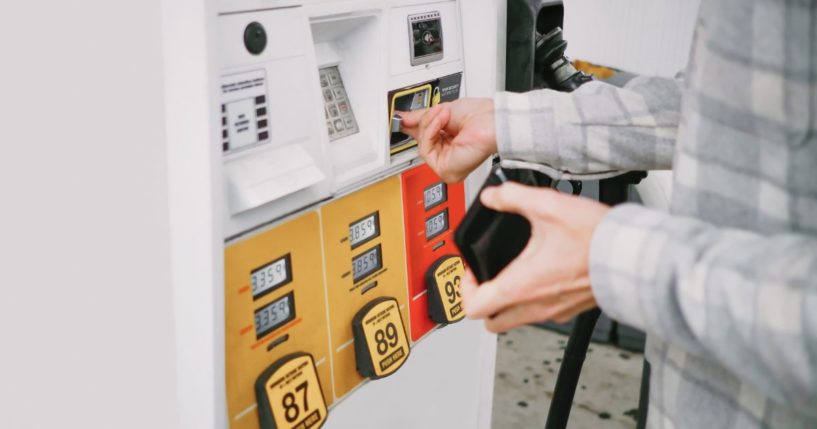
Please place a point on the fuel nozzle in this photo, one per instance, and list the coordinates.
(555, 69)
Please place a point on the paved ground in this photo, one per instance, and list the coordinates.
(527, 362)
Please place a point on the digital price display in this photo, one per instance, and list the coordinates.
(271, 276)
(435, 195)
(367, 263)
(365, 229)
(437, 224)
(274, 314)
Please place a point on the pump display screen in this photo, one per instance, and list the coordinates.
(364, 230)
(367, 263)
(426, 37)
(435, 195)
(274, 314)
(271, 276)
(437, 224)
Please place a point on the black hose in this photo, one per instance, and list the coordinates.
(571, 368)
(612, 191)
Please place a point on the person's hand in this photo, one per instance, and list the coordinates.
(550, 279)
(453, 138)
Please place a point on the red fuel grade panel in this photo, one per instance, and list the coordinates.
(433, 210)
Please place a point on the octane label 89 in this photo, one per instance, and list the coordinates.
(381, 344)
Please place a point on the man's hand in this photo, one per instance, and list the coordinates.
(454, 138)
(550, 279)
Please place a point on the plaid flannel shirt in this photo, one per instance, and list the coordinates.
(725, 284)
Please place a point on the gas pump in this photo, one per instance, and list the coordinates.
(338, 254)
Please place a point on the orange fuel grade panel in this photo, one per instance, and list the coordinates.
(275, 305)
(433, 210)
(365, 260)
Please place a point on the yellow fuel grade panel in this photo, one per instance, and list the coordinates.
(365, 259)
(275, 305)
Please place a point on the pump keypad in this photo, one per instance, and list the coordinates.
(340, 119)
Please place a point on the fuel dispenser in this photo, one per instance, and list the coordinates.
(338, 253)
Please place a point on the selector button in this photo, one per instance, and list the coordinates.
(255, 38)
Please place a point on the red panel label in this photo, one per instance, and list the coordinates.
(433, 210)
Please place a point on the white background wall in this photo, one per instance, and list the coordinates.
(650, 37)
(86, 328)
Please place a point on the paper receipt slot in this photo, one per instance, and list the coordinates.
(290, 395)
(433, 209)
(275, 307)
(365, 261)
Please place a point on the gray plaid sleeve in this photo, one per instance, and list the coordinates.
(737, 297)
(596, 128)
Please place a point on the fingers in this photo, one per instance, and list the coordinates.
(526, 279)
(431, 125)
(560, 311)
(516, 316)
(427, 116)
(411, 119)
(413, 123)
(527, 201)
(468, 287)
(514, 284)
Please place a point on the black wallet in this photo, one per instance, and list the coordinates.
(489, 240)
